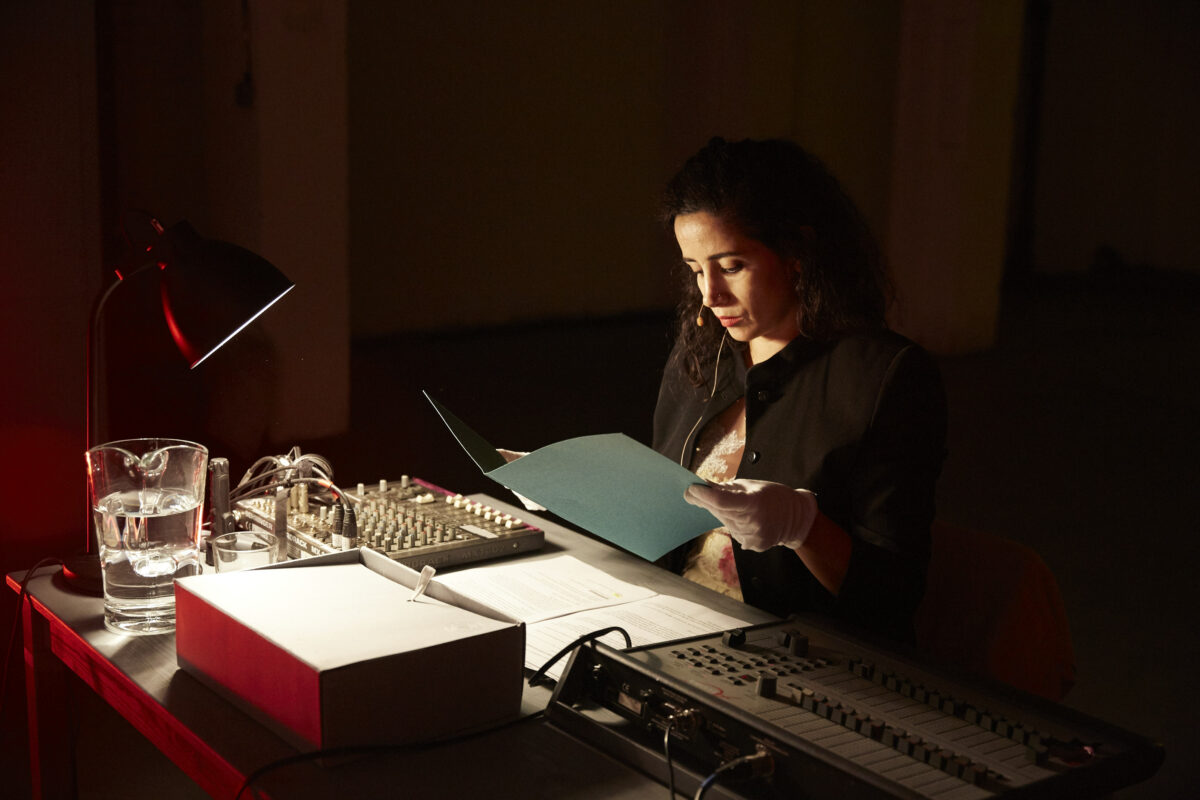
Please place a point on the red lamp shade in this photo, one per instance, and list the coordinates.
(211, 289)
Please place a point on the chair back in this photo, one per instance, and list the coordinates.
(992, 607)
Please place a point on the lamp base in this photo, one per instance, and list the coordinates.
(81, 574)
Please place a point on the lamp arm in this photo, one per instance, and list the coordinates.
(95, 355)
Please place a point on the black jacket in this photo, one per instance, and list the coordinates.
(862, 423)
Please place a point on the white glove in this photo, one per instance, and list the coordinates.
(509, 457)
(758, 514)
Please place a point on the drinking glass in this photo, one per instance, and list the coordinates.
(244, 550)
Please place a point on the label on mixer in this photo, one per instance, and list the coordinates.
(475, 529)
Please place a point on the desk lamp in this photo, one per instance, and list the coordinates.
(209, 290)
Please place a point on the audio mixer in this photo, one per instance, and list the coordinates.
(410, 521)
(818, 713)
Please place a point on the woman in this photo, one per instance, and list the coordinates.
(820, 432)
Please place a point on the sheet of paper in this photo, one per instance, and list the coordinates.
(531, 591)
(334, 615)
(661, 618)
(607, 484)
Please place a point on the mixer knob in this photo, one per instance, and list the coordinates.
(764, 684)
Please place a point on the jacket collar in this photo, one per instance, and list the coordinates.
(796, 353)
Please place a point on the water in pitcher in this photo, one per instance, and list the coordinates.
(147, 539)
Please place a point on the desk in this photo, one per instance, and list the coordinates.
(217, 745)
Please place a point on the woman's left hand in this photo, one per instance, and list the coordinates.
(509, 457)
(758, 514)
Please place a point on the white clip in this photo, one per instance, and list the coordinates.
(423, 581)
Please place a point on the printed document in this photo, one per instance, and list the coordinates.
(562, 598)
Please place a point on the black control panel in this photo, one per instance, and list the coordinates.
(817, 713)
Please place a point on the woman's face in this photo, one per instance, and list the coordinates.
(743, 282)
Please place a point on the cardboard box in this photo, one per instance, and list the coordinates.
(329, 652)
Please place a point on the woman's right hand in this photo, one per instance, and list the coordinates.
(758, 514)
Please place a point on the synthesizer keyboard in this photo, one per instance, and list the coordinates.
(826, 715)
(410, 521)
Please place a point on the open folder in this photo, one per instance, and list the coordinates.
(608, 484)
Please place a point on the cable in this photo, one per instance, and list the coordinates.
(711, 395)
(12, 636)
(667, 756)
(292, 461)
(537, 677)
(369, 750)
(253, 467)
(271, 473)
(263, 489)
(759, 763)
(692, 719)
(253, 483)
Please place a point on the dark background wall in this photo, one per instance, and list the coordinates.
(427, 169)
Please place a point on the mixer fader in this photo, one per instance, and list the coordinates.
(410, 521)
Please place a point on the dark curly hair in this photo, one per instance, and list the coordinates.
(779, 194)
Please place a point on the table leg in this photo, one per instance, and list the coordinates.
(51, 750)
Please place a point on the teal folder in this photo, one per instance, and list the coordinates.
(608, 484)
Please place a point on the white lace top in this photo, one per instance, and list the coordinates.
(720, 446)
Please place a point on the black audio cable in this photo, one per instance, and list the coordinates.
(373, 750)
(540, 675)
(667, 756)
(751, 765)
(16, 624)
(690, 717)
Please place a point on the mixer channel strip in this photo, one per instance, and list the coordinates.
(410, 521)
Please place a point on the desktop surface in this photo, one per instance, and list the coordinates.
(218, 746)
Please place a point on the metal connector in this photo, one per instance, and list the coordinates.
(682, 722)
